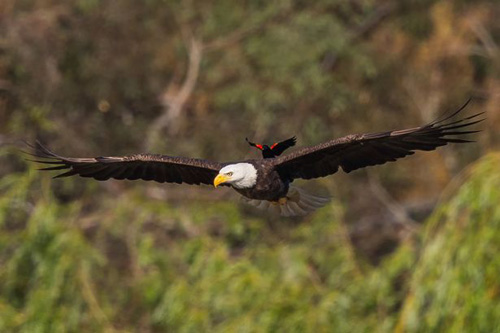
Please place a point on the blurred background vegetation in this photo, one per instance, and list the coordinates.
(405, 247)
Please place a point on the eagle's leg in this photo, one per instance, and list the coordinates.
(280, 202)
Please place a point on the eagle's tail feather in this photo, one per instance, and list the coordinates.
(297, 203)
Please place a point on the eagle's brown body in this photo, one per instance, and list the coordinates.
(269, 186)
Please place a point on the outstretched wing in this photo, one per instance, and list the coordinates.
(361, 150)
(160, 168)
(280, 147)
(254, 144)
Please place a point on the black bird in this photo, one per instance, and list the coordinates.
(275, 149)
(266, 183)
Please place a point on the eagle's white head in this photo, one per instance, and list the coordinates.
(240, 175)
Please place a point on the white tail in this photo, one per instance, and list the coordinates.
(296, 203)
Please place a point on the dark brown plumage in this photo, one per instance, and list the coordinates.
(160, 168)
(269, 179)
(361, 150)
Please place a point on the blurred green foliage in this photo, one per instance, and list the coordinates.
(455, 286)
(150, 267)
(195, 77)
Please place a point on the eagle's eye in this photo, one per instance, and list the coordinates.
(229, 173)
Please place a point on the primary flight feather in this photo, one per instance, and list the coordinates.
(266, 182)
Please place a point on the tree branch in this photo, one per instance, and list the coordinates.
(173, 100)
(174, 103)
(398, 211)
(363, 30)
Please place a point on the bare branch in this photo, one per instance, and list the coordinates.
(232, 38)
(398, 211)
(361, 31)
(373, 21)
(485, 37)
(174, 102)
(241, 33)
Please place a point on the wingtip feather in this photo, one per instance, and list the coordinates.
(453, 113)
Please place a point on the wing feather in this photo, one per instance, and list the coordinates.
(159, 168)
(361, 150)
(280, 147)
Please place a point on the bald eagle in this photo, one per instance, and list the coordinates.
(266, 182)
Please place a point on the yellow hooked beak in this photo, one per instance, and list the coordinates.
(220, 179)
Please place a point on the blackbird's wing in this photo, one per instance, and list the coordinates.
(280, 147)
